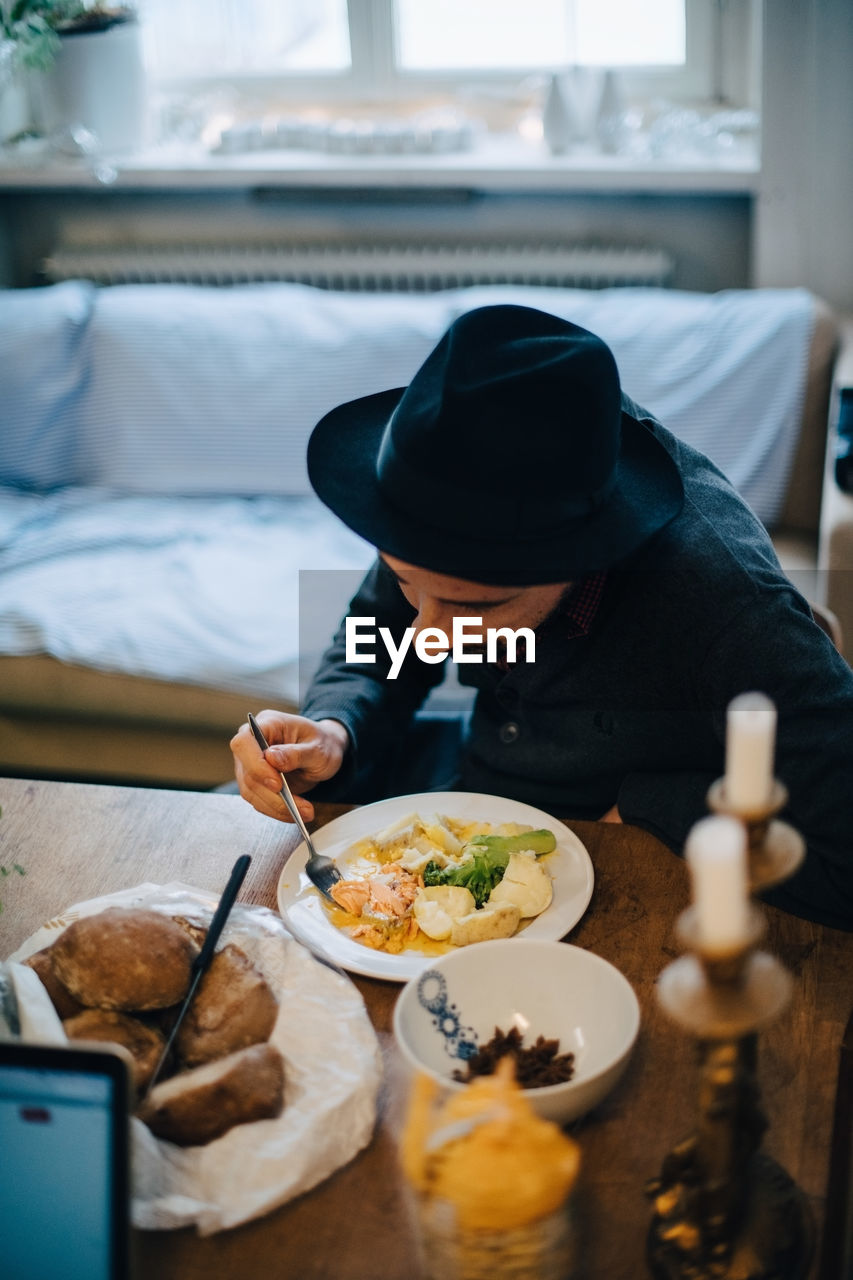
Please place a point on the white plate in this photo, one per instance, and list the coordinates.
(302, 907)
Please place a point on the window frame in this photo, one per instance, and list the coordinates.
(373, 77)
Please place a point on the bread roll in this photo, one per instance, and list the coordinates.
(197, 1106)
(125, 958)
(144, 1044)
(232, 1008)
(63, 1001)
(197, 932)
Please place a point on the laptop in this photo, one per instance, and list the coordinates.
(64, 1162)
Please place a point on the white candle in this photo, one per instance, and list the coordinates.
(750, 746)
(716, 855)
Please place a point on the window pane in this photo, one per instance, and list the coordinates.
(625, 33)
(218, 37)
(482, 34)
(497, 34)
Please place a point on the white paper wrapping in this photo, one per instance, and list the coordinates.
(332, 1075)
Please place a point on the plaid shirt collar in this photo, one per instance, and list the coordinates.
(578, 607)
(581, 603)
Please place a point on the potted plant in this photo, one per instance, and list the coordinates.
(27, 40)
(82, 60)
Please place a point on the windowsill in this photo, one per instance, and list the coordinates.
(497, 163)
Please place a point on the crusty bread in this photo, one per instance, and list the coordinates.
(197, 1106)
(125, 958)
(63, 1002)
(197, 932)
(144, 1044)
(232, 1008)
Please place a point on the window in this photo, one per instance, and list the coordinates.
(390, 48)
(488, 36)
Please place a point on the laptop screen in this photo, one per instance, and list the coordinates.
(63, 1189)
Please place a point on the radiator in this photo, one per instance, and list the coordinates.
(376, 267)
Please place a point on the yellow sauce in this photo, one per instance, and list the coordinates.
(421, 944)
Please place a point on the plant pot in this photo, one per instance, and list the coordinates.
(14, 100)
(98, 81)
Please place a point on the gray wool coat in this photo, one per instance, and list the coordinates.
(634, 712)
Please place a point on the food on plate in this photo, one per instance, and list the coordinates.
(449, 913)
(125, 958)
(144, 1044)
(454, 882)
(535, 1065)
(479, 873)
(524, 884)
(61, 998)
(490, 922)
(485, 1162)
(383, 905)
(437, 908)
(197, 1106)
(492, 866)
(233, 1007)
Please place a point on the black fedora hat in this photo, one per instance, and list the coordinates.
(507, 460)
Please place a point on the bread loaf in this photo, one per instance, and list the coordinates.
(144, 1044)
(126, 959)
(197, 1106)
(232, 1008)
(63, 1002)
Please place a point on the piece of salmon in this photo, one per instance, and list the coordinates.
(399, 882)
(352, 895)
(389, 894)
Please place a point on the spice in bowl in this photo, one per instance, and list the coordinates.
(536, 1065)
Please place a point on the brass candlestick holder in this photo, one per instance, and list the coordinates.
(723, 1209)
(774, 848)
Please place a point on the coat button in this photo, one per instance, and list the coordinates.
(509, 732)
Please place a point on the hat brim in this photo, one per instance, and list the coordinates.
(646, 496)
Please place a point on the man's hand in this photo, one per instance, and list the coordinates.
(306, 751)
(612, 815)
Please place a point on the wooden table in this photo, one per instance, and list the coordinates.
(74, 841)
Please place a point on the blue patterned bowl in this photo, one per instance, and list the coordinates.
(543, 988)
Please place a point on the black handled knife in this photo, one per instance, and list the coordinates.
(204, 957)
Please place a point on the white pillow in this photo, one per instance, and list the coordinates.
(205, 390)
(182, 389)
(43, 366)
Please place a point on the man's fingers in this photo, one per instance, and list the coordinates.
(273, 805)
(305, 807)
(294, 755)
(298, 749)
(262, 800)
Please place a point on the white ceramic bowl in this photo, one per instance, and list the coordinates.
(543, 988)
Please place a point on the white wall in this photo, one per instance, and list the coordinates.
(803, 223)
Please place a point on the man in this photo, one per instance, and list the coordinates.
(512, 482)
